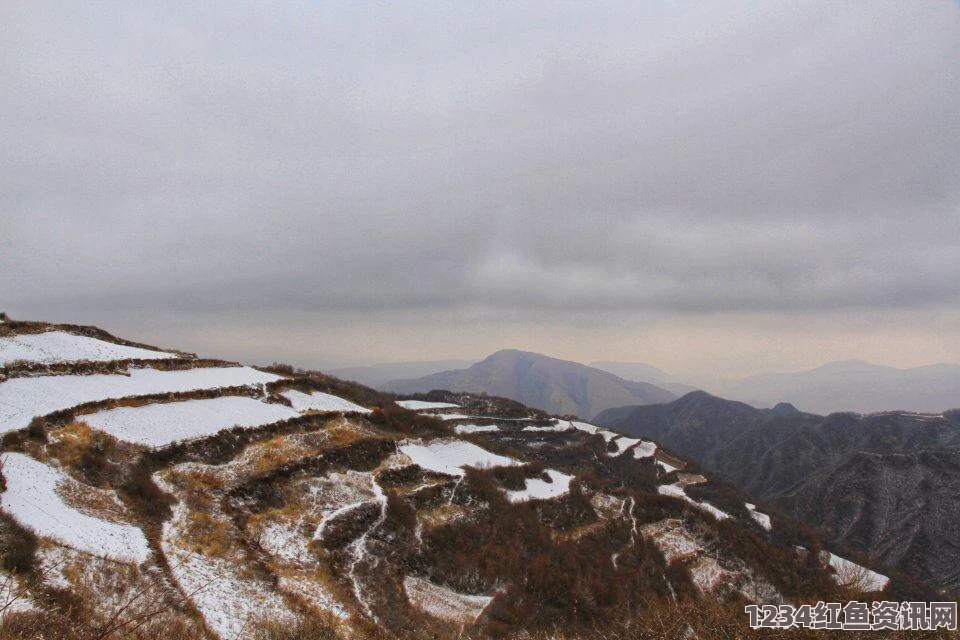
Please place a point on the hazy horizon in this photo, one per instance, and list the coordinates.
(715, 190)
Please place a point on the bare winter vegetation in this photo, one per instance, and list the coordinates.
(383, 524)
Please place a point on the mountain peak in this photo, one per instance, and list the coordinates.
(557, 386)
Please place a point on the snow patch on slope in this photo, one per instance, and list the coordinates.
(451, 456)
(644, 450)
(319, 401)
(846, 572)
(761, 518)
(59, 346)
(623, 443)
(476, 428)
(444, 603)
(539, 489)
(422, 405)
(676, 491)
(32, 498)
(229, 598)
(157, 425)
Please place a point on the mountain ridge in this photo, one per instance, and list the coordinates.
(552, 384)
(809, 465)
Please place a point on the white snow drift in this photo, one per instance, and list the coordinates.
(31, 497)
(157, 425)
(59, 346)
(451, 456)
(21, 399)
(320, 401)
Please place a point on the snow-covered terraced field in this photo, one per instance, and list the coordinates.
(319, 401)
(21, 399)
(451, 456)
(539, 489)
(476, 428)
(644, 450)
(59, 346)
(422, 405)
(666, 466)
(847, 572)
(32, 498)
(444, 603)
(676, 491)
(557, 426)
(761, 518)
(584, 426)
(157, 425)
(623, 443)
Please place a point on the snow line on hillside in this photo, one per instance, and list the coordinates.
(31, 498)
(320, 401)
(451, 456)
(21, 399)
(157, 425)
(59, 346)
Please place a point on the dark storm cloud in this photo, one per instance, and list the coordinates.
(688, 157)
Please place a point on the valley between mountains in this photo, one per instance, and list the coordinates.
(151, 493)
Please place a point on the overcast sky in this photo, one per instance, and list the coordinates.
(711, 187)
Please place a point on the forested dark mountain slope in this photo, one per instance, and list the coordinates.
(885, 483)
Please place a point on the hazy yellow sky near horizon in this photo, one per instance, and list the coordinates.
(696, 348)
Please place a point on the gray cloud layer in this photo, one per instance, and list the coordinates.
(349, 156)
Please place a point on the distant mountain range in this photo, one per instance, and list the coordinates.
(887, 483)
(377, 375)
(556, 386)
(852, 385)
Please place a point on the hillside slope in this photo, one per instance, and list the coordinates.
(884, 483)
(556, 386)
(182, 498)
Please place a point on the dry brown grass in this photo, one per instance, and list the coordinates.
(100, 503)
